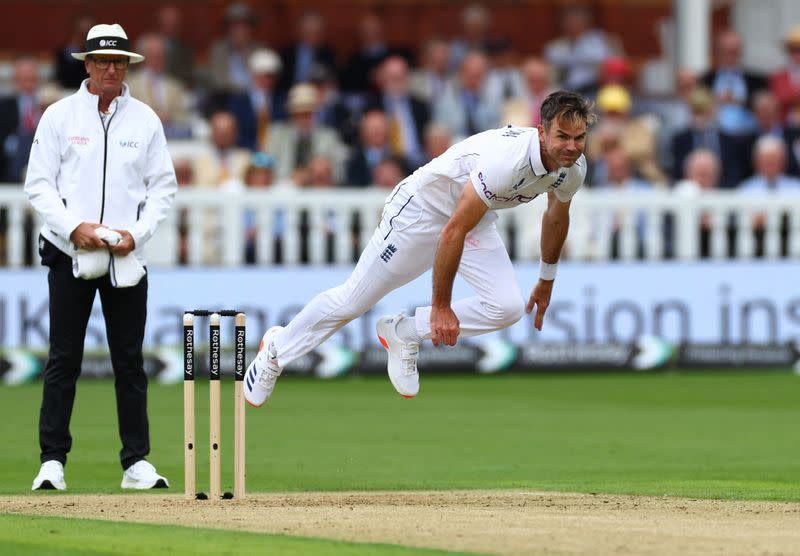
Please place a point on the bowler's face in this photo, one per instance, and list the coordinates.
(564, 141)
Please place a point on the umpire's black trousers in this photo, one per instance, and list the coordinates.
(125, 312)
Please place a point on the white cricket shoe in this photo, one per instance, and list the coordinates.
(142, 476)
(50, 477)
(263, 372)
(402, 356)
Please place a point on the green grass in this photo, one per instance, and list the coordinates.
(41, 536)
(721, 435)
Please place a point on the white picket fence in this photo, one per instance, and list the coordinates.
(214, 225)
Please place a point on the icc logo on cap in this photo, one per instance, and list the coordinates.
(102, 43)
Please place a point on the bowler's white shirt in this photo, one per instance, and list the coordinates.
(504, 166)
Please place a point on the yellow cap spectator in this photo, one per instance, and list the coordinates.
(614, 98)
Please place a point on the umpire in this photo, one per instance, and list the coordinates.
(99, 158)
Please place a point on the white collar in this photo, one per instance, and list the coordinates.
(83, 92)
(536, 155)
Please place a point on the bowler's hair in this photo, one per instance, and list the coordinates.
(568, 106)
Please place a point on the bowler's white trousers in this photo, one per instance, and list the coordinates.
(401, 249)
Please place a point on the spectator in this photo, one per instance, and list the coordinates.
(184, 175)
(524, 110)
(358, 73)
(261, 104)
(603, 139)
(767, 112)
(19, 116)
(69, 72)
(733, 86)
(686, 82)
(295, 142)
(258, 175)
(580, 50)
(373, 147)
(621, 180)
(317, 173)
(465, 107)
(179, 57)
(406, 114)
(389, 172)
(620, 176)
(769, 159)
(184, 172)
(430, 81)
(702, 171)
(703, 132)
(476, 23)
(50, 93)
(321, 172)
(786, 82)
(308, 50)
(504, 80)
(229, 55)
(164, 94)
(225, 163)
(259, 172)
(333, 110)
(674, 113)
(437, 140)
(222, 167)
(635, 136)
(615, 70)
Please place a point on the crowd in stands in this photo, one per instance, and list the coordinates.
(307, 114)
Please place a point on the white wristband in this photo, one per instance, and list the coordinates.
(547, 271)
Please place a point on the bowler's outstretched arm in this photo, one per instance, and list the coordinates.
(469, 211)
(555, 226)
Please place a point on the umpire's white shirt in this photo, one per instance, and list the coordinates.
(78, 172)
(505, 168)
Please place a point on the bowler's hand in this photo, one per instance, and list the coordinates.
(83, 237)
(125, 245)
(444, 326)
(540, 297)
